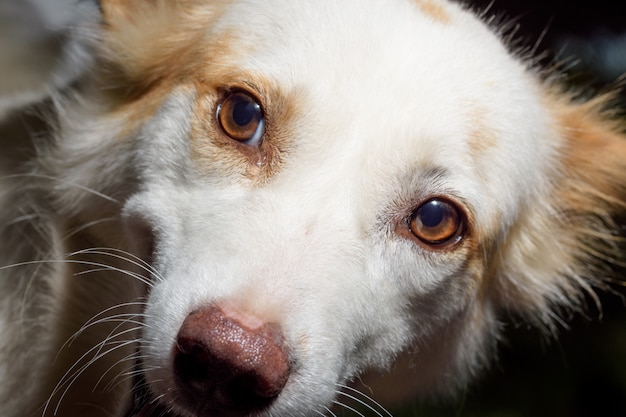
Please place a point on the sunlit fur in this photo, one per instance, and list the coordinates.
(134, 209)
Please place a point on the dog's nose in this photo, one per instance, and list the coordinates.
(230, 367)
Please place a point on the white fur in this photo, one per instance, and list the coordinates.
(387, 98)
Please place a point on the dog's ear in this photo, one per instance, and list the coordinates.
(566, 240)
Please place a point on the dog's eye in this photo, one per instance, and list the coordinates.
(437, 222)
(241, 118)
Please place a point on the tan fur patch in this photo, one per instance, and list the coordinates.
(595, 147)
(594, 185)
(434, 9)
(151, 48)
(149, 42)
(211, 148)
(563, 243)
(481, 137)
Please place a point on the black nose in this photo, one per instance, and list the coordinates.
(226, 368)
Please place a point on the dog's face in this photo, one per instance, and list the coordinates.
(322, 186)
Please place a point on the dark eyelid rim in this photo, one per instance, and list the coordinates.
(403, 229)
(243, 88)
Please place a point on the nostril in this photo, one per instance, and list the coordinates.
(250, 391)
(193, 363)
(229, 367)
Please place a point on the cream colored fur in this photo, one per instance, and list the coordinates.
(137, 209)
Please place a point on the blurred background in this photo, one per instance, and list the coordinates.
(583, 373)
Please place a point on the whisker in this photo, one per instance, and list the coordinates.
(65, 182)
(330, 411)
(128, 358)
(68, 379)
(157, 398)
(104, 267)
(115, 334)
(120, 318)
(360, 402)
(320, 413)
(120, 254)
(140, 278)
(132, 318)
(101, 318)
(79, 372)
(131, 373)
(97, 348)
(87, 225)
(346, 406)
(367, 398)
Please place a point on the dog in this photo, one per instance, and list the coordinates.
(242, 208)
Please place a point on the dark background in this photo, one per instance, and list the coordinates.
(591, 32)
(583, 373)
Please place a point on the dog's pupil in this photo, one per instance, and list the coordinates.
(245, 112)
(432, 214)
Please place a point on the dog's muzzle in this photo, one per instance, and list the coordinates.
(222, 367)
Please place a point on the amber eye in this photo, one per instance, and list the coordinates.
(437, 222)
(241, 118)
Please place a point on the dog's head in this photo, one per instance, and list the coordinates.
(325, 185)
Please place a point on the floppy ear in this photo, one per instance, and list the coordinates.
(565, 241)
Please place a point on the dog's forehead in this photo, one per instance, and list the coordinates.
(347, 47)
(404, 85)
(408, 64)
